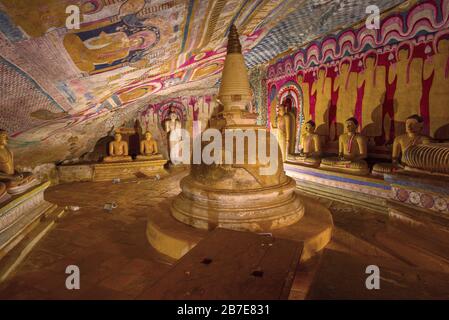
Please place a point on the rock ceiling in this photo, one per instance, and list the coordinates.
(57, 85)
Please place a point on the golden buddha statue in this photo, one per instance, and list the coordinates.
(352, 150)
(118, 150)
(412, 137)
(148, 148)
(284, 127)
(311, 147)
(15, 182)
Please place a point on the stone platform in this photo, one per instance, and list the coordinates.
(110, 171)
(128, 170)
(175, 239)
(368, 191)
(18, 215)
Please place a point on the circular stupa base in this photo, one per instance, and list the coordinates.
(259, 210)
(174, 238)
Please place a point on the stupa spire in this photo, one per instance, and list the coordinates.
(234, 45)
(235, 90)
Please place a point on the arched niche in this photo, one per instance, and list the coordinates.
(291, 97)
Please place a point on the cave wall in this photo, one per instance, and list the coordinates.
(380, 77)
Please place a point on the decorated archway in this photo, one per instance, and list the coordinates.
(290, 96)
(173, 106)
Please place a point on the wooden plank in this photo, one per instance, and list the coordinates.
(231, 265)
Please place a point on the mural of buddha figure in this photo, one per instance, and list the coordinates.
(118, 150)
(373, 79)
(352, 150)
(407, 97)
(322, 88)
(15, 182)
(148, 148)
(310, 147)
(412, 137)
(306, 96)
(346, 84)
(106, 48)
(439, 93)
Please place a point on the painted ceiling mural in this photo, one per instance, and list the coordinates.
(62, 87)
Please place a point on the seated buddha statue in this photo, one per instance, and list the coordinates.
(413, 136)
(15, 182)
(311, 147)
(352, 150)
(118, 150)
(148, 148)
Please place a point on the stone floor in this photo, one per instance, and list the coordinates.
(116, 261)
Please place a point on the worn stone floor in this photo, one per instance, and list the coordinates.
(116, 261)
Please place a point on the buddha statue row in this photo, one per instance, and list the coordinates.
(118, 149)
(12, 182)
(352, 148)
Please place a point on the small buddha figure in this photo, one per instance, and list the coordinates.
(311, 147)
(15, 182)
(118, 150)
(352, 150)
(412, 137)
(283, 131)
(148, 148)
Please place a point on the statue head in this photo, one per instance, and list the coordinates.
(281, 110)
(118, 137)
(136, 42)
(3, 137)
(351, 125)
(173, 116)
(148, 135)
(310, 126)
(414, 124)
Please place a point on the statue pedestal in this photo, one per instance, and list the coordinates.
(128, 170)
(367, 191)
(420, 192)
(419, 206)
(18, 215)
(173, 238)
